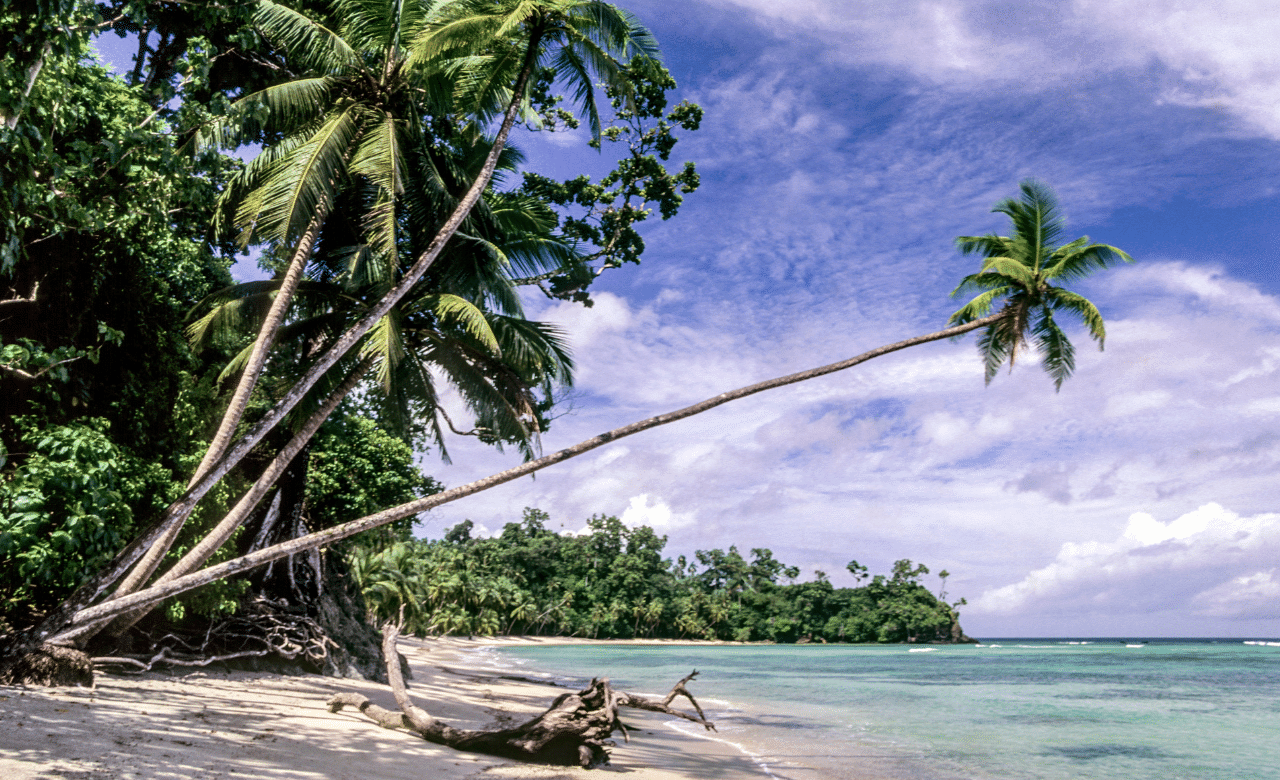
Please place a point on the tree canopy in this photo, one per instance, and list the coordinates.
(612, 581)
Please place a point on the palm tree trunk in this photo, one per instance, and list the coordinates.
(239, 400)
(223, 531)
(91, 589)
(84, 620)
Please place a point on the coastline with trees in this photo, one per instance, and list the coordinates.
(196, 471)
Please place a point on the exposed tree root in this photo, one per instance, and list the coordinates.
(44, 664)
(263, 629)
(574, 730)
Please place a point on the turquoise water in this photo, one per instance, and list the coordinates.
(1036, 709)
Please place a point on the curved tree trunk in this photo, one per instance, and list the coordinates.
(235, 410)
(216, 538)
(177, 513)
(87, 593)
(84, 620)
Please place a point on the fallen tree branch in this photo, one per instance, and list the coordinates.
(574, 730)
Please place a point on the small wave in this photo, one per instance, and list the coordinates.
(1262, 644)
(922, 650)
(756, 758)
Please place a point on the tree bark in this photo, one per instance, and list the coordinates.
(235, 410)
(33, 72)
(223, 531)
(178, 512)
(78, 624)
(574, 730)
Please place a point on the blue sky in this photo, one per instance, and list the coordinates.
(846, 145)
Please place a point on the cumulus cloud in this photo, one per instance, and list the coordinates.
(657, 515)
(1189, 563)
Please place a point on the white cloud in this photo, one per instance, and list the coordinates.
(1155, 565)
(1249, 596)
(1215, 54)
(1223, 50)
(657, 516)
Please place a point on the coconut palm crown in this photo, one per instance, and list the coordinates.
(1024, 270)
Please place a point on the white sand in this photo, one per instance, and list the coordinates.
(240, 724)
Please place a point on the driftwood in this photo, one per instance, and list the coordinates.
(574, 730)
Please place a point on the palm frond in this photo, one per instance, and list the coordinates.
(454, 34)
(1065, 300)
(302, 184)
(569, 65)
(385, 343)
(981, 281)
(228, 307)
(459, 311)
(1057, 354)
(1009, 268)
(538, 350)
(997, 344)
(979, 307)
(308, 42)
(1075, 265)
(1036, 217)
(483, 88)
(279, 107)
(517, 17)
(378, 158)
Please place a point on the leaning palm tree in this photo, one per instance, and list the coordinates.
(1024, 270)
(1026, 289)
(490, 54)
(465, 321)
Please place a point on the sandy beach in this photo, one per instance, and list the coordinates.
(198, 724)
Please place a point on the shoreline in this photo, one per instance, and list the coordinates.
(197, 723)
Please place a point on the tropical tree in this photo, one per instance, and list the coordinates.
(496, 359)
(1023, 270)
(488, 46)
(1066, 262)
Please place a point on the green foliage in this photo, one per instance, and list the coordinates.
(104, 251)
(603, 216)
(64, 511)
(1025, 271)
(109, 186)
(356, 468)
(611, 581)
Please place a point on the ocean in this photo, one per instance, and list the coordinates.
(1040, 709)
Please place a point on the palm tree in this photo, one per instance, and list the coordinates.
(479, 47)
(1018, 269)
(495, 359)
(1021, 270)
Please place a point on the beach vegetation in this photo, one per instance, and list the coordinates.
(146, 398)
(1024, 273)
(611, 581)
